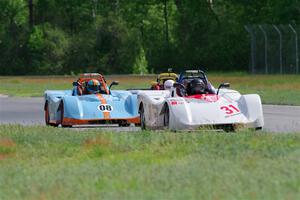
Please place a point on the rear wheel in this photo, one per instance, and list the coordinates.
(142, 117)
(124, 125)
(167, 117)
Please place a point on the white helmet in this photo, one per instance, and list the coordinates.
(168, 84)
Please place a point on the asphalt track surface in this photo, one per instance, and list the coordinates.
(29, 111)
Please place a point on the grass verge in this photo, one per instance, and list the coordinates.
(273, 89)
(55, 163)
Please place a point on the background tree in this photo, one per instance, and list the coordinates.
(113, 36)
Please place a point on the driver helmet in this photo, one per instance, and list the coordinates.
(168, 84)
(197, 86)
(93, 86)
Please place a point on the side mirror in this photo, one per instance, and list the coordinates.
(113, 83)
(223, 85)
(182, 90)
(75, 84)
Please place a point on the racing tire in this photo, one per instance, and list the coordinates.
(124, 125)
(61, 107)
(47, 116)
(137, 124)
(167, 117)
(229, 128)
(258, 128)
(142, 117)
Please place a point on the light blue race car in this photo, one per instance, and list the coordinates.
(82, 106)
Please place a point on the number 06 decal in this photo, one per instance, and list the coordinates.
(230, 109)
(105, 108)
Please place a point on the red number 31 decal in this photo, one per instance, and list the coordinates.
(230, 109)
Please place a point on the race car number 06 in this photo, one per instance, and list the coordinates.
(105, 108)
(231, 109)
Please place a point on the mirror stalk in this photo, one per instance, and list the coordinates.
(223, 85)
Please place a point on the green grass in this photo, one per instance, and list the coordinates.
(34, 86)
(55, 163)
(273, 89)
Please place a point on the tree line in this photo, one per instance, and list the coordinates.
(131, 36)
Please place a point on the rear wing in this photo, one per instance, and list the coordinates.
(90, 75)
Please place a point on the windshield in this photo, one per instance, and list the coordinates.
(192, 74)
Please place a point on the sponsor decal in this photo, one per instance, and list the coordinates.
(105, 108)
(176, 102)
(173, 103)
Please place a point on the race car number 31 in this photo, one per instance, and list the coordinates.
(230, 109)
(105, 108)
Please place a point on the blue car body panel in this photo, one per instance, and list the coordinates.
(121, 104)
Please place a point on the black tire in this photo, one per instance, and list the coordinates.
(142, 117)
(258, 128)
(61, 107)
(137, 124)
(124, 125)
(47, 118)
(229, 128)
(167, 117)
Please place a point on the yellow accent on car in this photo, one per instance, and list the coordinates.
(166, 76)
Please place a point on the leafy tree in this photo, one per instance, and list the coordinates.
(116, 48)
(13, 36)
(114, 36)
(47, 47)
(141, 64)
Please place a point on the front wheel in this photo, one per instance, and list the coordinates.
(47, 116)
(61, 107)
(167, 117)
(229, 128)
(142, 117)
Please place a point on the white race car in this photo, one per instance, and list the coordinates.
(223, 109)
